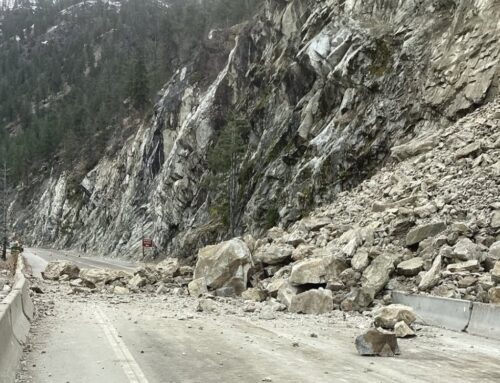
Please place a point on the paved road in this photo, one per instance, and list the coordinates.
(147, 338)
(38, 258)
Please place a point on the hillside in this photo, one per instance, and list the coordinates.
(266, 121)
(79, 72)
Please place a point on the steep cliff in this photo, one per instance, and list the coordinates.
(326, 89)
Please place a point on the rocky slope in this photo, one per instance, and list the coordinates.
(428, 222)
(328, 88)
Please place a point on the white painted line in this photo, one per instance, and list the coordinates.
(128, 363)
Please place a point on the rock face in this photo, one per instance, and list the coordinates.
(222, 265)
(312, 302)
(375, 343)
(328, 88)
(57, 269)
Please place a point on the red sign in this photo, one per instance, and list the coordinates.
(147, 242)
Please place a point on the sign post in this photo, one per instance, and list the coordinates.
(147, 243)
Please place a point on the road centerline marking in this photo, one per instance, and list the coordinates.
(127, 361)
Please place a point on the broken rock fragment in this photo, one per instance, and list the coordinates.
(495, 273)
(254, 294)
(169, 267)
(376, 343)
(422, 232)
(402, 330)
(472, 265)
(387, 317)
(197, 287)
(411, 267)
(432, 276)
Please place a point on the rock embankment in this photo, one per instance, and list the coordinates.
(426, 224)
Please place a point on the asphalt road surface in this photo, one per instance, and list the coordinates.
(141, 338)
(38, 258)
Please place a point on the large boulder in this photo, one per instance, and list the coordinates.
(376, 343)
(56, 269)
(273, 254)
(312, 302)
(376, 276)
(317, 270)
(422, 232)
(169, 267)
(411, 267)
(387, 317)
(93, 277)
(223, 264)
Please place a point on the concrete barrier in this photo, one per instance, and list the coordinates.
(10, 349)
(451, 314)
(16, 311)
(485, 320)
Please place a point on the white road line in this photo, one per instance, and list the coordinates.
(127, 361)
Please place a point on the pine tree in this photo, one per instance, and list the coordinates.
(224, 160)
(139, 89)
